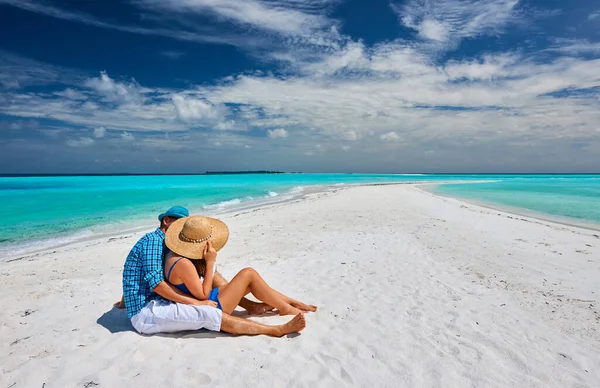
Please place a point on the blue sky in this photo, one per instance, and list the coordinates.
(299, 85)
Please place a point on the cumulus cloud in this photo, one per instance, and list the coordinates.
(81, 142)
(434, 30)
(350, 135)
(195, 109)
(127, 137)
(115, 91)
(277, 133)
(18, 125)
(99, 132)
(390, 137)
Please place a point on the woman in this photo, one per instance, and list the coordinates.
(193, 243)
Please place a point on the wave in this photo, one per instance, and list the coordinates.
(13, 249)
(223, 204)
(273, 194)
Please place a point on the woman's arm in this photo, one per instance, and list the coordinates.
(171, 293)
(186, 271)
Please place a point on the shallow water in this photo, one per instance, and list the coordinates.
(574, 197)
(45, 211)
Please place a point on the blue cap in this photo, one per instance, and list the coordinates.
(175, 212)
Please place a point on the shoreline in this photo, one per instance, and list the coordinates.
(147, 223)
(515, 211)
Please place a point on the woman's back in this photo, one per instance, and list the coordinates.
(173, 271)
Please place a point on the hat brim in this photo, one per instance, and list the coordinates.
(192, 250)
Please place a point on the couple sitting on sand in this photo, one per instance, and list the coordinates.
(193, 295)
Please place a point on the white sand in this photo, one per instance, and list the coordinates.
(413, 290)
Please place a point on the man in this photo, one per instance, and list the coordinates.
(144, 285)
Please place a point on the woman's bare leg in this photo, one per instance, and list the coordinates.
(249, 280)
(297, 304)
(250, 306)
(235, 325)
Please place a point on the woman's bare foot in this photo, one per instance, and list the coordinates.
(308, 308)
(258, 308)
(297, 324)
(291, 311)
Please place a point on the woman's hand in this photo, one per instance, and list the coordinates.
(210, 254)
(206, 303)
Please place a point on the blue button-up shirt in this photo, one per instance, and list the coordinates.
(143, 271)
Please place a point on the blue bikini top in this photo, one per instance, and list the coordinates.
(181, 287)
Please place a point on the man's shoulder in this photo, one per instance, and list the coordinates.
(155, 235)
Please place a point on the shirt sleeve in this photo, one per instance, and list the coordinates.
(152, 257)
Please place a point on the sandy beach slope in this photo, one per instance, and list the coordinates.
(413, 290)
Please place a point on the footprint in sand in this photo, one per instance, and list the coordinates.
(333, 363)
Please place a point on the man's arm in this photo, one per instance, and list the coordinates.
(171, 293)
(152, 267)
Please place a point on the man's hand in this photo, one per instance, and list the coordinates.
(206, 303)
(210, 254)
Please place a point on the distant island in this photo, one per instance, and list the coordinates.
(141, 174)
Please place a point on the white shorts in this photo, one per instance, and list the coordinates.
(163, 316)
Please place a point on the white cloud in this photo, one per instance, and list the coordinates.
(286, 17)
(390, 137)
(452, 20)
(18, 125)
(594, 15)
(277, 133)
(198, 35)
(127, 137)
(99, 132)
(434, 30)
(575, 47)
(350, 135)
(231, 125)
(17, 72)
(115, 91)
(194, 109)
(82, 142)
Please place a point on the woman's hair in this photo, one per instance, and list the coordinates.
(200, 266)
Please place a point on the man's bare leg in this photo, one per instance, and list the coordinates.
(235, 325)
(253, 308)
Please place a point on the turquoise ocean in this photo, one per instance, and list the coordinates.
(40, 212)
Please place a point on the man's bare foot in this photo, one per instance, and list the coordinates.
(258, 308)
(119, 305)
(308, 308)
(297, 324)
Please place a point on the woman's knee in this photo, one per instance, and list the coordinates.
(248, 272)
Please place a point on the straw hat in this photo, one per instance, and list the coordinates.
(187, 236)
